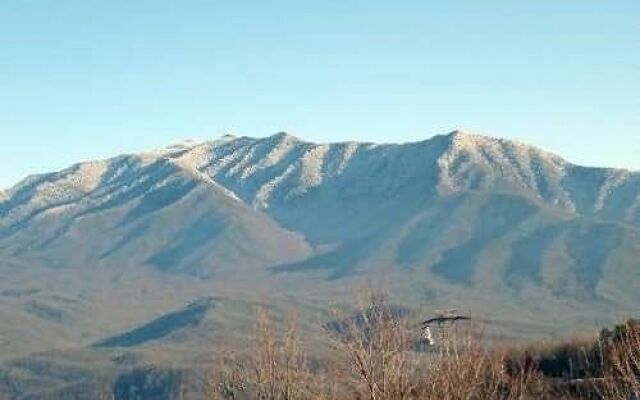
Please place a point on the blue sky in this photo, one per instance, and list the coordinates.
(89, 79)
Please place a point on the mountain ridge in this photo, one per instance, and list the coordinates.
(458, 136)
(493, 225)
(255, 170)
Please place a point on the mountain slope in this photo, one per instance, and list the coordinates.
(487, 223)
(105, 252)
(138, 210)
(282, 170)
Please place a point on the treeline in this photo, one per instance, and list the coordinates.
(376, 356)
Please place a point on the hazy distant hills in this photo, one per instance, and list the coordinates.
(100, 251)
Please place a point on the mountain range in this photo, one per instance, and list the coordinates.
(109, 252)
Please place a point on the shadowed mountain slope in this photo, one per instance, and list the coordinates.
(161, 327)
(134, 211)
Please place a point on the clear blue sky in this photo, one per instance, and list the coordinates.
(85, 79)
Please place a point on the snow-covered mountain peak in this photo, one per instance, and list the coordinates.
(462, 138)
(275, 170)
(279, 139)
(459, 132)
(170, 150)
(227, 137)
(283, 135)
(498, 152)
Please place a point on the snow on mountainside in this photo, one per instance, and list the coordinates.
(150, 209)
(489, 224)
(282, 167)
(482, 162)
(275, 171)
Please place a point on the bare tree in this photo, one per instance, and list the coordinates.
(622, 363)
